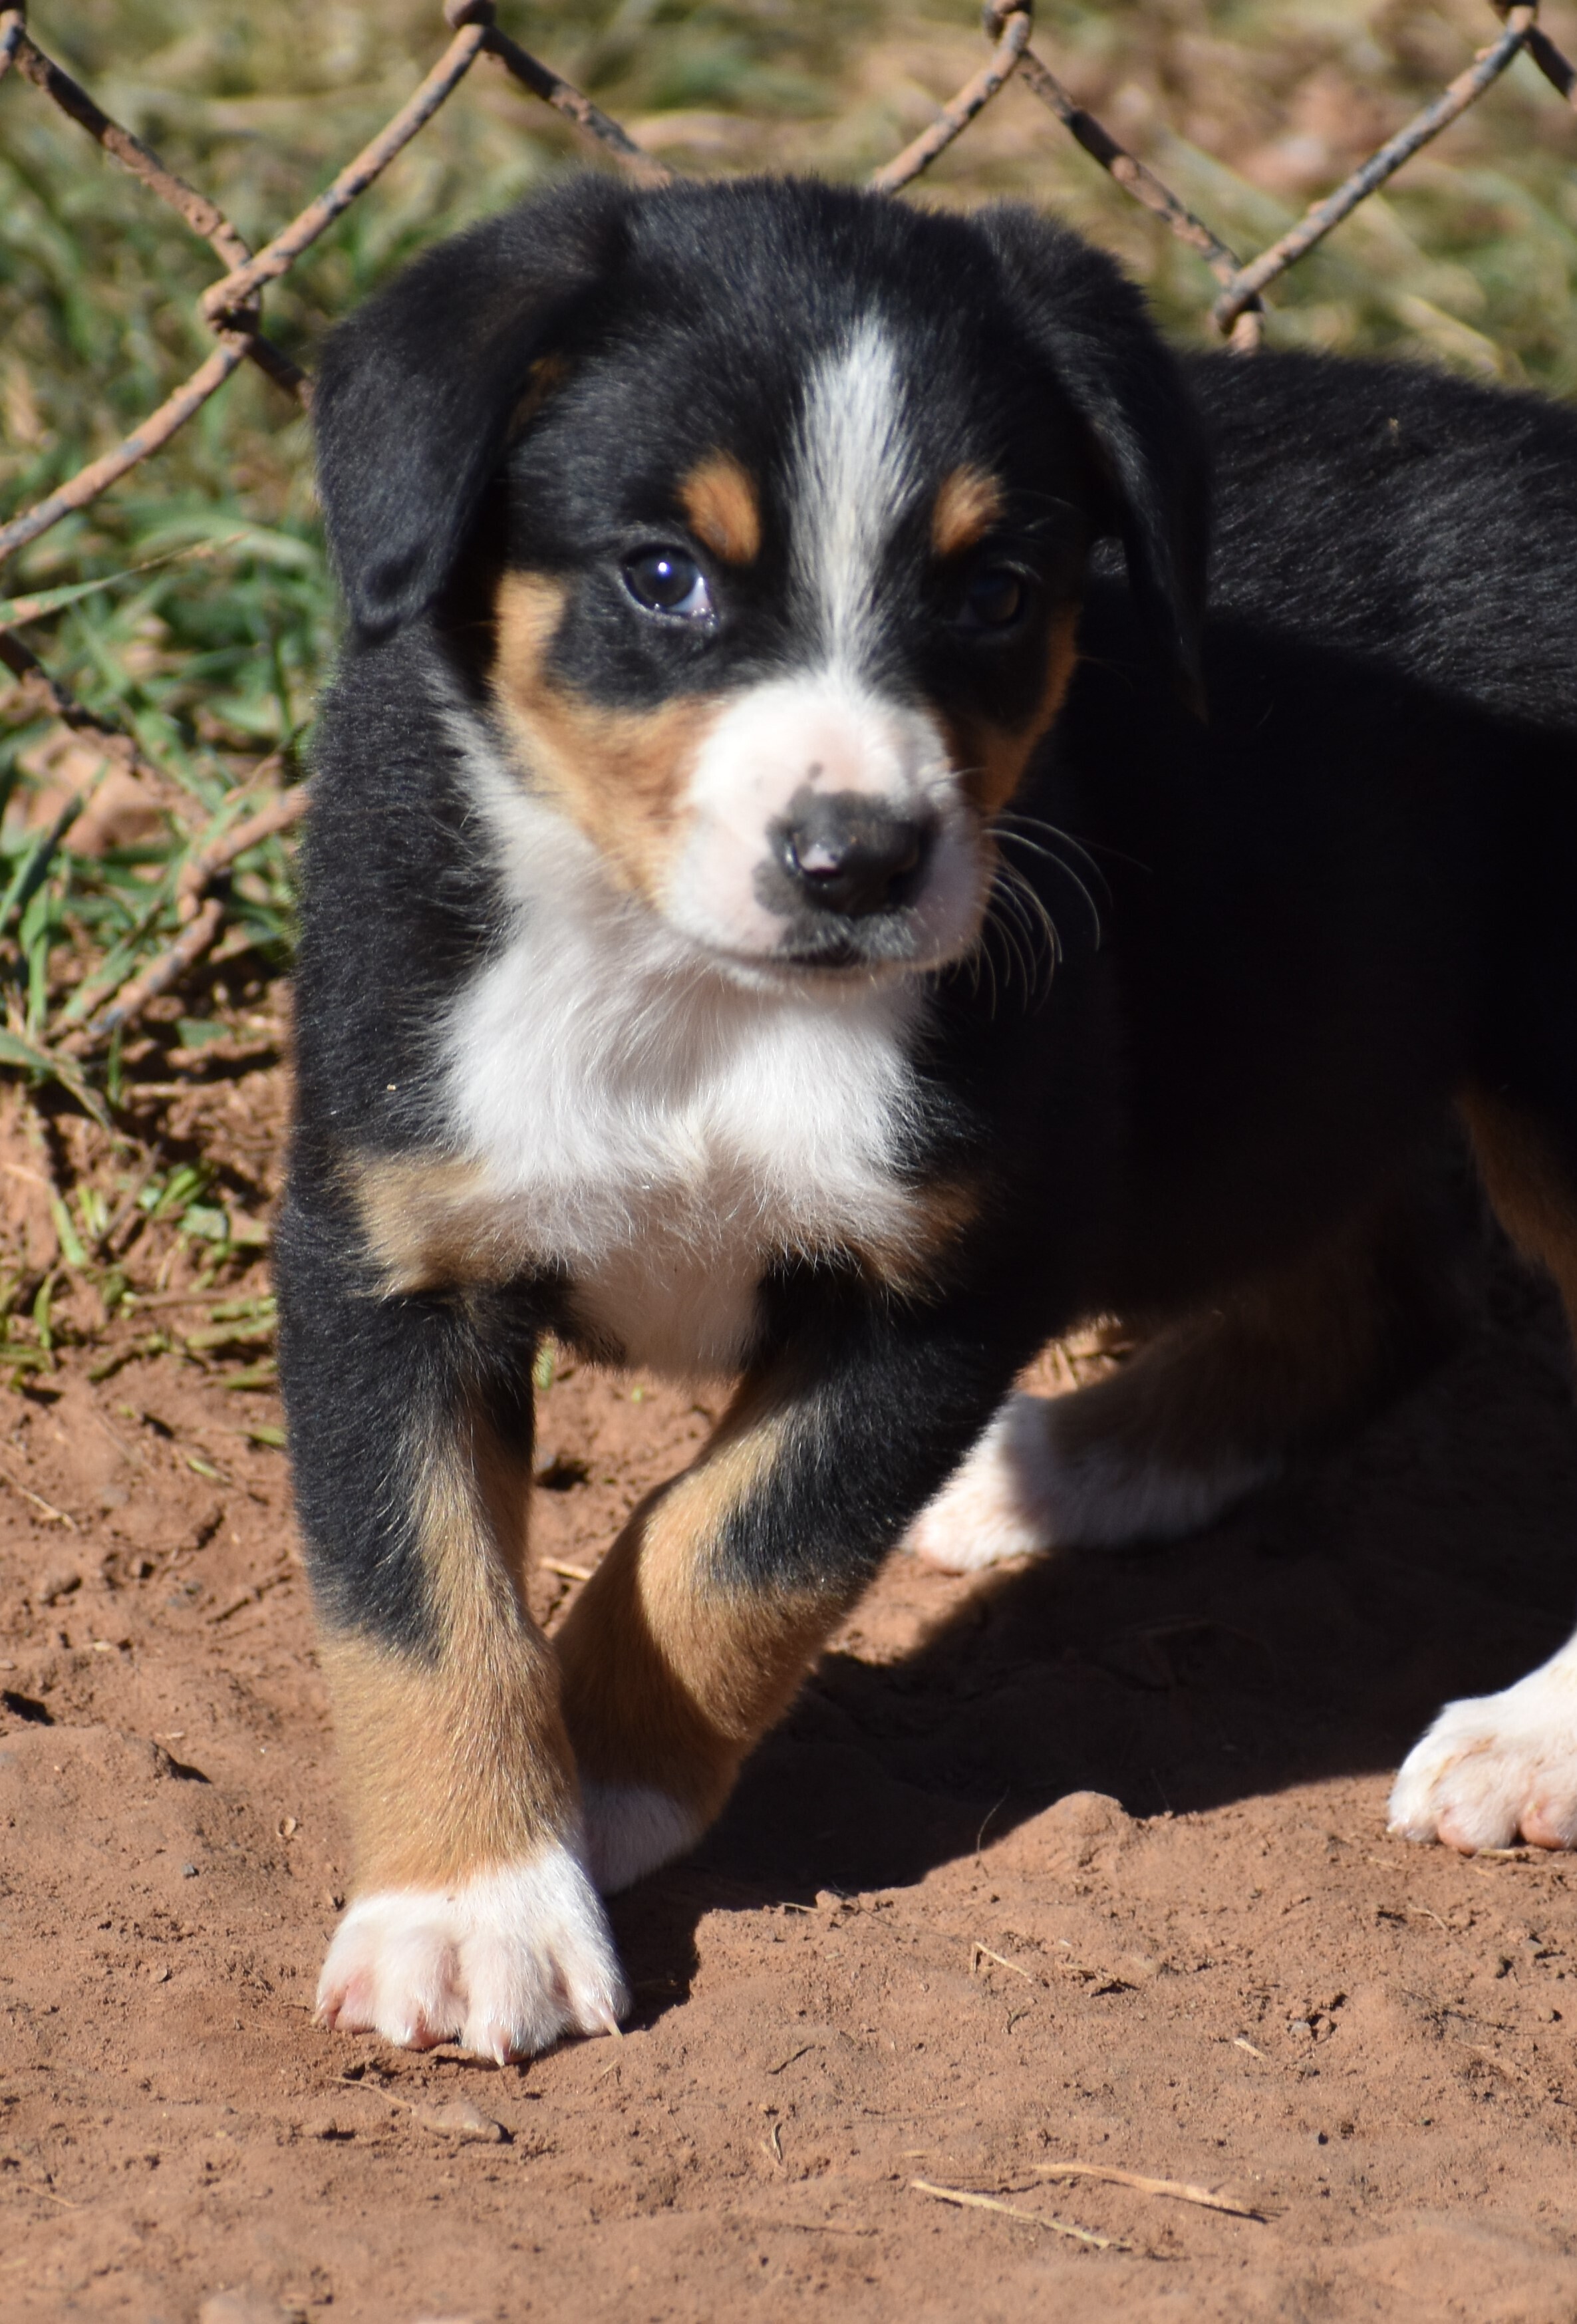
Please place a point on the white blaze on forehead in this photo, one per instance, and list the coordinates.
(853, 477)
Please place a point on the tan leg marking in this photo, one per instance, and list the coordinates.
(617, 774)
(1529, 1187)
(1270, 1368)
(967, 505)
(474, 1918)
(672, 1673)
(991, 759)
(459, 1763)
(724, 507)
(430, 1224)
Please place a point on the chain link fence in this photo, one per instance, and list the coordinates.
(68, 1037)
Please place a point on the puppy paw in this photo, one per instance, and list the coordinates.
(631, 1829)
(1495, 1766)
(1030, 1485)
(999, 1503)
(502, 1964)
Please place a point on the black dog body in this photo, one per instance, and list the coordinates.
(737, 940)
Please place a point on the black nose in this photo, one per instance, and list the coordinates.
(845, 854)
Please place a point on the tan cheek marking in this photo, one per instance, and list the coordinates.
(459, 1763)
(722, 504)
(618, 774)
(668, 1679)
(993, 758)
(967, 505)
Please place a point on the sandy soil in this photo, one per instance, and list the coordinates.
(1084, 1863)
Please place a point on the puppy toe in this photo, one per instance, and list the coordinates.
(504, 1964)
(1494, 1769)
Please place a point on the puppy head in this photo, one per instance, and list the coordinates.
(796, 493)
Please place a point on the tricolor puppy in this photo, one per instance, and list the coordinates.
(738, 942)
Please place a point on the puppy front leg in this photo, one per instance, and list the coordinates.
(694, 1634)
(473, 1918)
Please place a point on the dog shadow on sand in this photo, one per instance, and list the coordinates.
(1312, 1633)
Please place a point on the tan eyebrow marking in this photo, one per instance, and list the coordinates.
(545, 378)
(720, 501)
(967, 505)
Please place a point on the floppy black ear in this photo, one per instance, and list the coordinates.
(415, 392)
(1094, 330)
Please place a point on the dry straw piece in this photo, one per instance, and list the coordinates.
(1179, 2190)
(966, 2200)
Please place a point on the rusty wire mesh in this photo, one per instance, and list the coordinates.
(231, 309)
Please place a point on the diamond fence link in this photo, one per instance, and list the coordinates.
(232, 308)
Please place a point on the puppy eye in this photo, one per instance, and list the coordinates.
(993, 598)
(668, 581)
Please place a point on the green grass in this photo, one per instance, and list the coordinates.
(212, 622)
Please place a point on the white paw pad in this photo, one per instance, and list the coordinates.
(502, 1964)
(1496, 1767)
(631, 1829)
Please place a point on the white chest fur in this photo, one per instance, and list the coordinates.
(656, 1130)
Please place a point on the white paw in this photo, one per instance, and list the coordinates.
(1023, 1491)
(1496, 1766)
(502, 1964)
(998, 1504)
(631, 1829)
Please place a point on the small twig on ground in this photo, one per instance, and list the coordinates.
(962, 2196)
(979, 1952)
(205, 863)
(46, 1509)
(250, 1597)
(188, 948)
(203, 920)
(804, 2051)
(1177, 2188)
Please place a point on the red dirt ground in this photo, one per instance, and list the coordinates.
(1085, 1862)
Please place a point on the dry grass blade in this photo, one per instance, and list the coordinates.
(972, 2202)
(979, 1952)
(1179, 2190)
(46, 1509)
